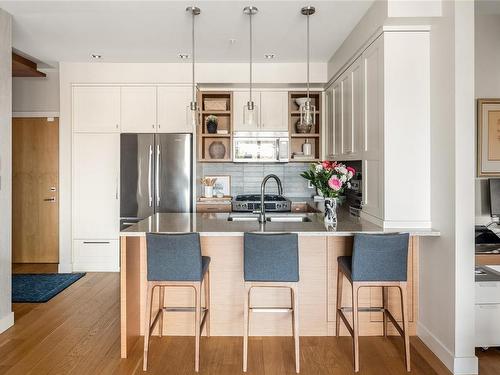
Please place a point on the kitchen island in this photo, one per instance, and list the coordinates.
(222, 240)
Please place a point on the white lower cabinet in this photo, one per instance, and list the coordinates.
(96, 204)
(487, 311)
(96, 255)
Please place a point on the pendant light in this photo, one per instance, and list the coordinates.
(193, 106)
(307, 110)
(250, 111)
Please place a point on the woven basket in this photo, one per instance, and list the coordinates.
(215, 104)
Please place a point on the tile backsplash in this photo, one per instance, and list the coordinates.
(246, 178)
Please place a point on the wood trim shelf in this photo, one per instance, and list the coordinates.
(208, 135)
(305, 135)
(216, 112)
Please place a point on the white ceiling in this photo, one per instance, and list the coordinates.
(157, 31)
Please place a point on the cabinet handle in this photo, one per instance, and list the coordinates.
(96, 242)
(117, 126)
(153, 126)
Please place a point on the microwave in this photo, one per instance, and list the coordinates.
(260, 147)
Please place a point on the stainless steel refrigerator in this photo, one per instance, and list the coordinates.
(156, 175)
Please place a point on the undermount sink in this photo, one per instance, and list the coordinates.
(276, 218)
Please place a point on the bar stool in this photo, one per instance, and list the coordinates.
(174, 260)
(271, 261)
(377, 261)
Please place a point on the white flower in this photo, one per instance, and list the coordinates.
(348, 185)
(349, 175)
(319, 168)
(343, 178)
(341, 169)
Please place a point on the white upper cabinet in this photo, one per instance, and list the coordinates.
(330, 127)
(96, 109)
(138, 109)
(357, 108)
(173, 109)
(96, 175)
(240, 100)
(347, 138)
(273, 111)
(337, 119)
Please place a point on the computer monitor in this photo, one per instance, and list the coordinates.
(495, 197)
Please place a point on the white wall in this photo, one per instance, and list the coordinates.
(446, 316)
(446, 291)
(129, 73)
(6, 314)
(36, 95)
(487, 85)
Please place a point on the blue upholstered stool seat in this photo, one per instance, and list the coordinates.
(345, 264)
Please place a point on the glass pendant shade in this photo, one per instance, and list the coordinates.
(307, 114)
(250, 114)
(193, 114)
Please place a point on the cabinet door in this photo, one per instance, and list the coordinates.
(240, 100)
(346, 85)
(173, 110)
(96, 109)
(372, 188)
(274, 111)
(96, 172)
(330, 125)
(357, 106)
(337, 119)
(138, 109)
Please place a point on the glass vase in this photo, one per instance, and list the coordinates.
(330, 211)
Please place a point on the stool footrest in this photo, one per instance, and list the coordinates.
(270, 309)
(183, 309)
(364, 309)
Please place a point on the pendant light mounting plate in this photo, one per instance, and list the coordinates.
(250, 10)
(193, 10)
(308, 10)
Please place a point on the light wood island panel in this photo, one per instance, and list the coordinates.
(317, 291)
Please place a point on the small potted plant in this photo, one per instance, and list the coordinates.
(211, 122)
(331, 179)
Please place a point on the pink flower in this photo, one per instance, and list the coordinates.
(352, 170)
(335, 183)
(326, 165)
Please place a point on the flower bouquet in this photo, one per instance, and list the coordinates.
(331, 179)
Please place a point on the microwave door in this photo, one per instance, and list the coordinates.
(255, 150)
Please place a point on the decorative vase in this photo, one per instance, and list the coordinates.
(208, 191)
(330, 211)
(217, 150)
(212, 125)
(303, 128)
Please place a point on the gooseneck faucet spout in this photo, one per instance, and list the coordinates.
(262, 213)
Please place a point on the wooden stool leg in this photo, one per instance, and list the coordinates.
(161, 296)
(147, 325)
(246, 324)
(355, 326)
(197, 293)
(404, 309)
(207, 303)
(295, 326)
(340, 282)
(385, 297)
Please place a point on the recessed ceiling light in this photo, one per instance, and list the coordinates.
(183, 56)
(269, 56)
(96, 56)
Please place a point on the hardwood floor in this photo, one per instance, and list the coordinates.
(489, 361)
(77, 332)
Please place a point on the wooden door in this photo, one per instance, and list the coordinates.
(96, 109)
(173, 106)
(35, 190)
(138, 109)
(274, 110)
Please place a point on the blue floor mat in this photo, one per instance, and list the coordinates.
(37, 288)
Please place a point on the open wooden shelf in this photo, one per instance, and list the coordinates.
(297, 139)
(225, 122)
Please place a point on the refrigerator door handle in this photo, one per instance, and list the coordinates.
(158, 161)
(150, 165)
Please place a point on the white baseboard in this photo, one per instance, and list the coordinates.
(65, 268)
(35, 114)
(6, 322)
(457, 365)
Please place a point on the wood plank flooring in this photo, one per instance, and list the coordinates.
(77, 332)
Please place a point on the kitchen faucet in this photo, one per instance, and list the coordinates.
(262, 213)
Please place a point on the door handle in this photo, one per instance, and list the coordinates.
(53, 199)
(158, 164)
(150, 165)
